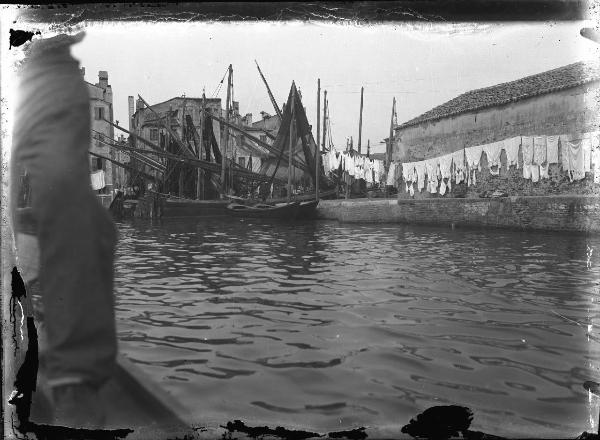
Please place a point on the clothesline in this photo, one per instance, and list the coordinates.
(580, 154)
(357, 166)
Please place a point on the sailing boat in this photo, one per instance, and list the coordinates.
(295, 160)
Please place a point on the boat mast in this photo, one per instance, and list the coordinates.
(317, 149)
(275, 106)
(226, 134)
(324, 117)
(362, 89)
(390, 139)
(292, 135)
(200, 173)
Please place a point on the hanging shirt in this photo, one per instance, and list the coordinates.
(511, 147)
(432, 174)
(391, 176)
(473, 155)
(596, 163)
(535, 173)
(539, 150)
(443, 187)
(97, 180)
(527, 171)
(527, 148)
(458, 161)
(544, 171)
(576, 166)
(586, 145)
(552, 149)
(493, 151)
(420, 172)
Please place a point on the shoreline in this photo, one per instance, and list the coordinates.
(559, 213)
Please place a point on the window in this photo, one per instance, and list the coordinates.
(98, 113)
(154, 134)
(242, 161)
(263, 137)
(96, 164)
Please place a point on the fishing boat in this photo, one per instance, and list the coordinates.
(193, 208)
(307, 209)
(286, 211)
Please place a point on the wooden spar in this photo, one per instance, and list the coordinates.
(390, 140)
(202, 164)
(275, 106)
(292, 135)
(173, 135)
(368, 147)
(296, 161)
(122, 165)
(225, 141)
(324, 116)
(200, 173)
(185, 138)
(362, 89)
(136, 136)
(317, 152)
(145, 160)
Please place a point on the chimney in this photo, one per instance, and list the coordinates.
(249, 118)
(130, 108)
(103, 79)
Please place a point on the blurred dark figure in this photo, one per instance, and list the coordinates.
(75, 234)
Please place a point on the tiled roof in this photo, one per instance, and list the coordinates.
(565, 77)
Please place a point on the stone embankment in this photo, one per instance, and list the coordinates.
(575, 213)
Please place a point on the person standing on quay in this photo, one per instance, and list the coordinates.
(75, 234)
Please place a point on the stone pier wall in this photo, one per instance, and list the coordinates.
(555, 213)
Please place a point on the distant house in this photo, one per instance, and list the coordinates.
(558, 101)
(101, 109)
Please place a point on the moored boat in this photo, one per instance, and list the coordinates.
(286, 211)
(307, 209)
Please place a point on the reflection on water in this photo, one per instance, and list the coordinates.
(329, 326)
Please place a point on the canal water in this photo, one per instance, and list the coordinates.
(325, 326)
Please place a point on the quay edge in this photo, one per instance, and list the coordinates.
(566, 213)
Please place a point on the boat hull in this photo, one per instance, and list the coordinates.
(194, 208)
(284, 212)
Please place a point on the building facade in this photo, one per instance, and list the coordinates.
(554, 102)
(101, 111)
(559, 102)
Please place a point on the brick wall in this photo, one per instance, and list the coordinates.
(556, 213)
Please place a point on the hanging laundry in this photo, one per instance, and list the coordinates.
(408, 170)
(539, 150)
(493, 151)
(586, 145)
(391, 176)
(527, 149)
(596, 163)
(442, 187)
(575, 167)
(97, 180)
(458, 161)
(445, 163)
(420, 172)
(527, 171)
(535, 173)
(432, 166)
(473, 155)
(511, 147)
(544, 171)
(552, 149)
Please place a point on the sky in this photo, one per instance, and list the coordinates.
(422, 65)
